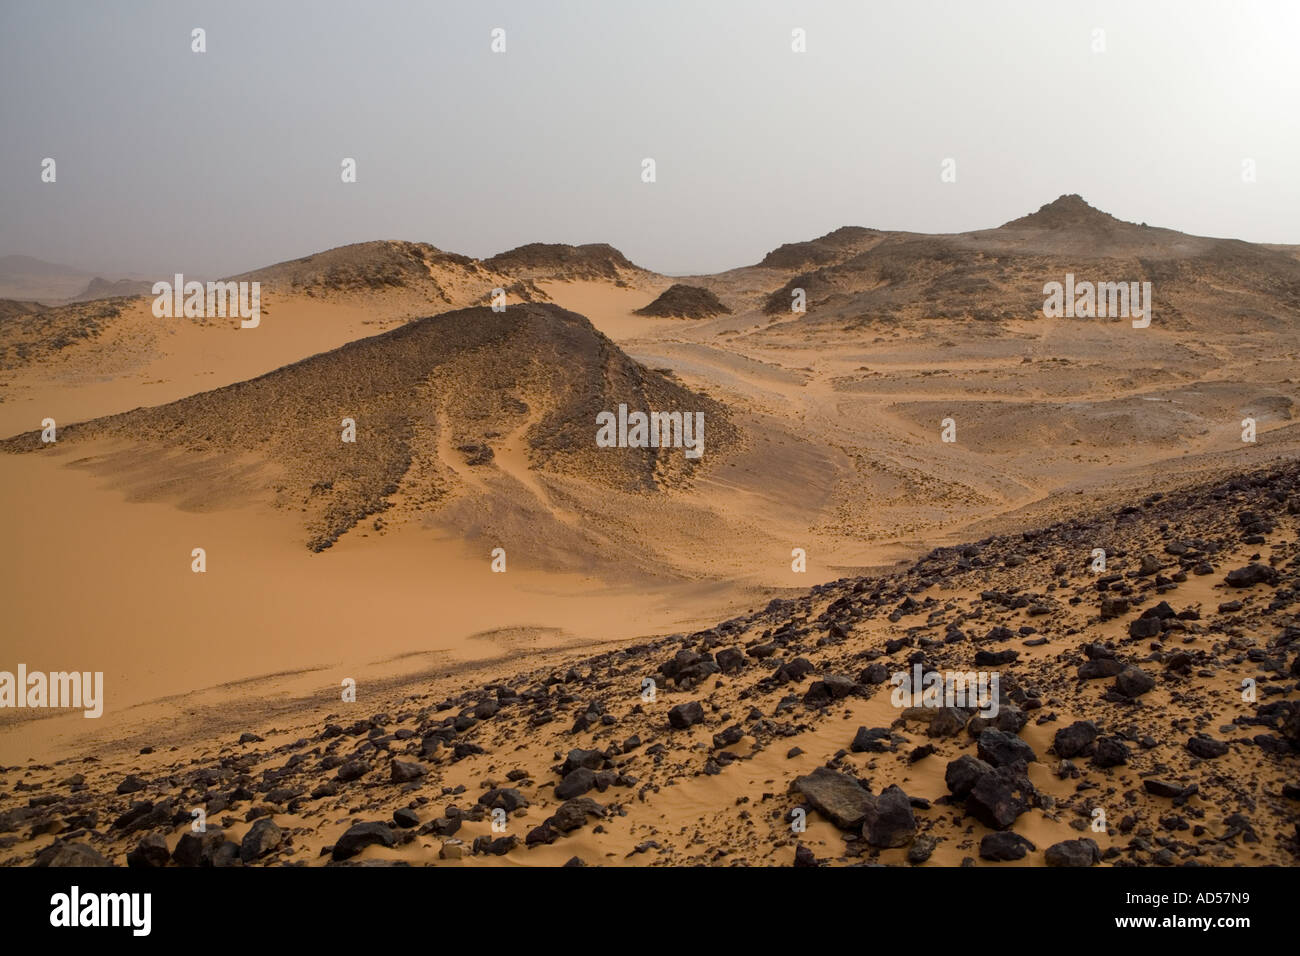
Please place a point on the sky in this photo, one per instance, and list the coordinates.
(214, 163)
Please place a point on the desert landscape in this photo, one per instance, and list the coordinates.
(561, 653)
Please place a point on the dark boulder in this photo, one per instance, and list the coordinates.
(151, 852)
(1207, 748)
(1081, 852)
(1075, 739)
(575, 784)
(263, 837)
(963, 773)
(1250, 575)
(361, 835)
(686, 715)
(1003, 846)
(836, 796)
(888, 821)
(1133, 682)
(999, 797)
(1001, 749)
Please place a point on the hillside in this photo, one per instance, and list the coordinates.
(430, 399)
(366, 270)
(998, 274)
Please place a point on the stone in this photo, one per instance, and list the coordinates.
(999, 797)
(684, 716)
(1133, 682)
(1000, 749)
(70, 854)
(1207, 748)
(888, 820)
(1081, 852)
(1075, 739)
(836, 796)
(1004, 846)
(151, 852)
(575, 784)
(963, 773)
(361, 835)
(405, 771)
(263, 837)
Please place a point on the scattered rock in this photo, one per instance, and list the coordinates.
(404, 771)
(1002, 749)
(1075, 739)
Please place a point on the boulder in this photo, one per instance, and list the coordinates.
(1004, 846)
(888, 820)
(836, 796)
(361, 835)
(1081, 852)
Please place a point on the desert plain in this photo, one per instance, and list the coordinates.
(683, 660)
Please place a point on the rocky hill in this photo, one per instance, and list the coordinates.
(998, 274)
(427, 399)
(681, 301)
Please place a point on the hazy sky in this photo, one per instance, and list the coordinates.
(214, 163)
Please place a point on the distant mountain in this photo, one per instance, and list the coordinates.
(856, 276)
(25, 277)
(14, 266)
(99, 288)
(28, 278)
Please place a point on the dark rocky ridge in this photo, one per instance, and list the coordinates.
(551, 260)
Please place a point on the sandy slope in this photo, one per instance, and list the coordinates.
(1196, 774)
(92, 577)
